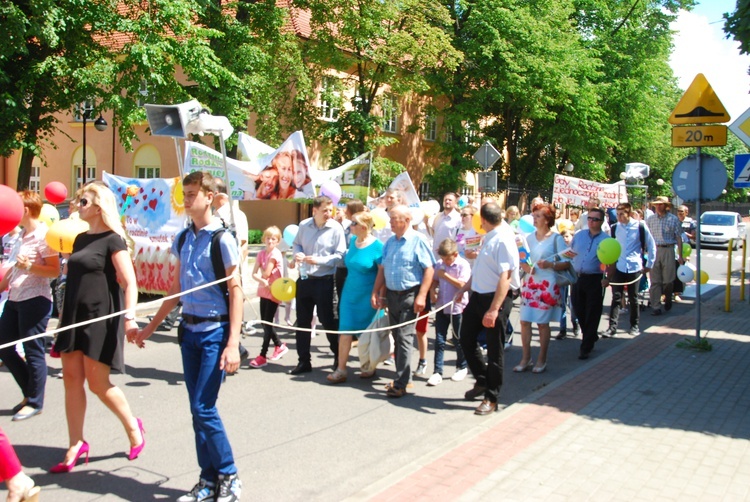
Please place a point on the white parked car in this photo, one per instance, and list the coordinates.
(717, 227)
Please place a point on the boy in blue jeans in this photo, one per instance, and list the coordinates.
(451, 273)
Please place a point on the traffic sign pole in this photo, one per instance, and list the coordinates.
(698, 250)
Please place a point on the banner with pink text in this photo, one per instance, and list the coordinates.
(576, 192)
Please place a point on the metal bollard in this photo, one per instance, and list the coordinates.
(728, 289)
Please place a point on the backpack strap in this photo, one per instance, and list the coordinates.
(217, 261)
(612, 230)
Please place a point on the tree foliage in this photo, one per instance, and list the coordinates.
(381, 46)
(59, 53)
(737, 24)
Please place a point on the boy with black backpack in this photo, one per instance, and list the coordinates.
(209, 334)
(636, 242)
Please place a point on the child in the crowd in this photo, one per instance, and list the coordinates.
(451, 273)
(467, 238)
(567, 234)
(267, 270)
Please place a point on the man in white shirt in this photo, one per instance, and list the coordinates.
(447, 223)
(490, 303)
(583, 219)
(223, 211)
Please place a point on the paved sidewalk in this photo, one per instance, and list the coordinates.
(645, 421)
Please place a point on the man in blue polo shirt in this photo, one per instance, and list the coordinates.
(403, 282)
(209, 337)
(588, 291)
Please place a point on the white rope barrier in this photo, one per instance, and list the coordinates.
(157, 303)
(143, 306)
(638, 278)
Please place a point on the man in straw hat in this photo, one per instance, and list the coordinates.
(666, 230)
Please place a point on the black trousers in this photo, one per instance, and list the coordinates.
(588, 297)
(19, 320)
(489, 375)
(267, 313)
(315, 292)
(617, 292)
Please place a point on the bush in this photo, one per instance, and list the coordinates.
(255, 236)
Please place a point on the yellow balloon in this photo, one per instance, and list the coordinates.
(704, 277)
(476, 222)
(379, 218)
(49, 214)
(284, 289)
(62, 234)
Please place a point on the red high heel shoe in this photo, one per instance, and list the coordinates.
(63, 467)
(136, 450)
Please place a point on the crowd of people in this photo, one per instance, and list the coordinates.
(348, 273)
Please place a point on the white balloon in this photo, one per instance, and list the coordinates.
(417, 215)
(685, 273)
(430, 207)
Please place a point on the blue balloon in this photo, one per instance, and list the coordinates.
(290, 232)
(526, 224)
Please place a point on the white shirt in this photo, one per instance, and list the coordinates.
(498, 255)
(240, 220)
(445, 227)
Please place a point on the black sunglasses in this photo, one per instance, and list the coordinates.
(83, 202)
(595, 219)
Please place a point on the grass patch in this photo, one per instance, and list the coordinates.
(701, 345)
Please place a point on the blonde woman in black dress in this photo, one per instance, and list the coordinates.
(99, 264)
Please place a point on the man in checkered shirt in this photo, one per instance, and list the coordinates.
(667, 230)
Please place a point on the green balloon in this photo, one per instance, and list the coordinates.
(608, 251)
(686, 250)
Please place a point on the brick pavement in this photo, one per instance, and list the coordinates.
(647, 421)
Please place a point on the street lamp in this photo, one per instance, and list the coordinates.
(569, 167)
(660, 182)
(100, 124)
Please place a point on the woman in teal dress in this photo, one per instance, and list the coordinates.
(362, 259)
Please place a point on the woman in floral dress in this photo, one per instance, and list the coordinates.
(540, 295)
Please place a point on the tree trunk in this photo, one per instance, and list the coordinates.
(24, 170)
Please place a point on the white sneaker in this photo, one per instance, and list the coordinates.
(460, 375)
(435, 379)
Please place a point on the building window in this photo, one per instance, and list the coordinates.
(430, 127)
(149, 172)
(390, 114)
(143, 92)
(35, 179)
(84, 108)
(330, 99)
(90, 175)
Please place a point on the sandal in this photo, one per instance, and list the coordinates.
(523, 367)
(337, 376)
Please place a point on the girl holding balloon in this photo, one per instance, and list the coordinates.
(267, 270)
(29, 306)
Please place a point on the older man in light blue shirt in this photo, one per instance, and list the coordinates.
(403, 282)
(635, 241)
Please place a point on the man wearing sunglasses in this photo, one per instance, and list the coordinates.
(588, 291)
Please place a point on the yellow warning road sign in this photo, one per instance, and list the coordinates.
(699, 105)
(699, 135)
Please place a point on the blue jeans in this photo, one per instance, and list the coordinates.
(201, 352)
(19, 320)
(442, 322)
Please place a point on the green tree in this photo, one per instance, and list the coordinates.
(63, 52)
(382, 45)
(737, 24)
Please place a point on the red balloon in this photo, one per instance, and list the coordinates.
(11, 210)
(55, 192)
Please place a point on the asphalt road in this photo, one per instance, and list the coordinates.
(294, 438)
